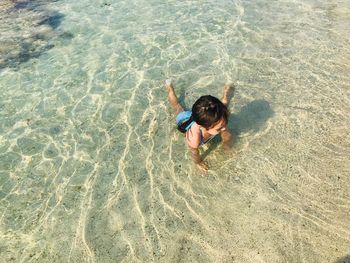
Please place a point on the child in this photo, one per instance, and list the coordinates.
(209, 117)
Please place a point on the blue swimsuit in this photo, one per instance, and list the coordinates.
(184, 116)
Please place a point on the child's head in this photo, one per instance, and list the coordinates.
(210, 113)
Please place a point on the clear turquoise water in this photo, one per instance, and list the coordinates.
(92, 168)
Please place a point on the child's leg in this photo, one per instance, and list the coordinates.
(228, 91)
(226, 135)
(172, 97)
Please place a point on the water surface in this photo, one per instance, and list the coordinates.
(92, 168)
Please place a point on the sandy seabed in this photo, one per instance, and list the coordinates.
(92, 168)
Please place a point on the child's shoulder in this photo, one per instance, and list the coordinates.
(193, 136)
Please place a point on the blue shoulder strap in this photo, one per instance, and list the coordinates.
(189, 126)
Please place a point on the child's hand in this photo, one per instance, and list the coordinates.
(228, 141)
(203, 166)
(227, 147)
(229, 150)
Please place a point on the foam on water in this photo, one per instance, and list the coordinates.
(92, 168)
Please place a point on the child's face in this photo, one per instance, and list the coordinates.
(217, 127)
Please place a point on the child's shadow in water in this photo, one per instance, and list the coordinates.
(345, 259)
(251, 117)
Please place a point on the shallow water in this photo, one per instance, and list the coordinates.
(92, 168)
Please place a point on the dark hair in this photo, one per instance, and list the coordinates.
(206, 111)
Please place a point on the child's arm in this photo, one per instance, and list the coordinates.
(197, 159)
(193, 141)
(227, 138)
